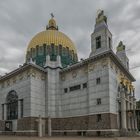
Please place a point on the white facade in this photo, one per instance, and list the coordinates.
(93, 86)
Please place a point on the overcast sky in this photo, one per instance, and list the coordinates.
(20, 20)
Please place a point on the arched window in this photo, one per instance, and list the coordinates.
(12, 105)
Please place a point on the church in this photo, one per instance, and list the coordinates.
(55, 94)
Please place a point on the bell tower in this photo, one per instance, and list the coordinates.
(121, 53)
(101, 38)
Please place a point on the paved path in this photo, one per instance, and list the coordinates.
(65, 138)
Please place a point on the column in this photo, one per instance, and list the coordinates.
(5, 111)
(123, 110)
(132, 118)
(135, 117)
(19, 109)
(118, 117)
(40, 126)
(129, 121)
(136, 123)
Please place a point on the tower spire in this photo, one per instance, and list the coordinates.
(101, 38)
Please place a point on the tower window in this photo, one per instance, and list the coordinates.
(98, 42)
(109, 42)
(98, 81)
(98, 101)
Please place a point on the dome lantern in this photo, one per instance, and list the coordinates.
(52, 24)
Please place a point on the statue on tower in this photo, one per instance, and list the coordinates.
(120, 46)
(101, 17)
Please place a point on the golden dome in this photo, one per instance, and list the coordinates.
(53, 43)
(51, 36)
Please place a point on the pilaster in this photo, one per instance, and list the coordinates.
(5, 111)
(123, 111)
(129, 121)
(19, 109)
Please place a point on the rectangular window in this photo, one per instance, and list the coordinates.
(67, 51)
(98, 42)
(60, 50)
(85, 85)
(33, 53)
(40, 50)
(77, 87)
(21, 105)
(2, 111)
(52, 48)
(65, 90)
(44, 47)
(48, 50)
(98, 81)
(98, 101)
(72, 55)
(109, 42)
(37, 50)
(63, 51)
(99, 118)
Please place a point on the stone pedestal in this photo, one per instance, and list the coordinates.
(41, 127)
(49, 127)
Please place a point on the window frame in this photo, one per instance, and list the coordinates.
(99, 117)
(98, 42)
(73, 88)
(98, 81)
(84, 85)
(99, 101)
(65, 90)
